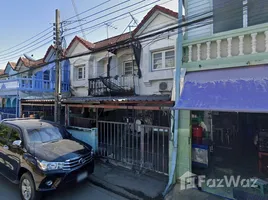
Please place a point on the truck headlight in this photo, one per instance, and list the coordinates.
(49, 166)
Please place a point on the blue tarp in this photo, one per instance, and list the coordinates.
(243, 89)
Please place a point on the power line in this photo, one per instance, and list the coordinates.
(101, 4)
(112, 46)
(101, 11)
(121, 9)
(24, 49)
(26, 40)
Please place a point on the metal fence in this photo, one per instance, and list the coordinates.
(142, 146)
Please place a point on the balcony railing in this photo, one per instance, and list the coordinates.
(29, 84)
(112, 86)
(234, 45)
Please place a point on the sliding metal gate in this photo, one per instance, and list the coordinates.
(141, 146)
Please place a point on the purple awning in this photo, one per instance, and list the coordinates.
(243, 89)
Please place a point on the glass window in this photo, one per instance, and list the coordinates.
(14, 135)
(128, 68)
(157, 61)
(4, 132)
(163, 59)
(170, 59)
(81, 73)
(44, 135)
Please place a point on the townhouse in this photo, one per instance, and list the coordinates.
(30, 79)
(125, 91)
(223, 117)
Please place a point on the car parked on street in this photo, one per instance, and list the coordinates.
(42, 156)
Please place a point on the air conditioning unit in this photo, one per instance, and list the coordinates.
(163, 86)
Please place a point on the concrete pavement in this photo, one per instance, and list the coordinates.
(85, 190)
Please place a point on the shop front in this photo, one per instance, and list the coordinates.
(229, 110)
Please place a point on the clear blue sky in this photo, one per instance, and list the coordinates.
(20, 20)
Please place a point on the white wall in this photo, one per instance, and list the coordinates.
(80, 87)
(149, 83)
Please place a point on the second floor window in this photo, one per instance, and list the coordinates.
(81, 72)
(163, 59)
(128, 68)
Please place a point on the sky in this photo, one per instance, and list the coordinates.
(21, 20)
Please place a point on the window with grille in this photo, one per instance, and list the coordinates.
(129, 69)
(163, 59)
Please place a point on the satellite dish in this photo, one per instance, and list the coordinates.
(29, 57)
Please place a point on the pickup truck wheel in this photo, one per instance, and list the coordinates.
(27, 188)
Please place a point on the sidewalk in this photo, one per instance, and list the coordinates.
(128, 183)
(137, 186)
(190, 194)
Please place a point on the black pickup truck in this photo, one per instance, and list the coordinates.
(42, 156)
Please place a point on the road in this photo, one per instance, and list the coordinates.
(85, 190)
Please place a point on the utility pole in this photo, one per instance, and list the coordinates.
(57, 41)
(173, 166)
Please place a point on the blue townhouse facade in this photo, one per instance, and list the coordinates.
(30, 79)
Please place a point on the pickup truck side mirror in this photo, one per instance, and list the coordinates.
(17, 143)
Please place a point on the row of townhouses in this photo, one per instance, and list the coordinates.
(124, 91)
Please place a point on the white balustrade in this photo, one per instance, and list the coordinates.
(229, 47)
(241, 45)
(208, 50)
(198, 51)
(190, 53)
(266, 41)
(218, 48)
(254, 43)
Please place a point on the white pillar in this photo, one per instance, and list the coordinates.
(198, 52)
(266, 41)
(241, 45)
(218, 48)
(253, 43)
(229, 48)
(208, 50)
(190, 53)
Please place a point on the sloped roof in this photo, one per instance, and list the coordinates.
(12, 64)
(151, 12)
(30, 63)
(125, 36)
(87, 44)
(112, 40)
(48, 50)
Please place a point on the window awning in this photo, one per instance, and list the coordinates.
(243, 89)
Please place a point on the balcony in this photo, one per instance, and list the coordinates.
(112, 86)
(240, 47)
(30, 84)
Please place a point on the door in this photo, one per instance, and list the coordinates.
(4, 133)
(13, 153)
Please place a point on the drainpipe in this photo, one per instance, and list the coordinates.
(177, 93)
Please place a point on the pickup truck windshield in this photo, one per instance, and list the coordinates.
(44, 135)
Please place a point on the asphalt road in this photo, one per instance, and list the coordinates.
(83, 191)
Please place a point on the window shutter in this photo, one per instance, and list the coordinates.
(257, 12)
(227, 15)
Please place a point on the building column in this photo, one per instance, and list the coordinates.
(184, 151)
(184, 154)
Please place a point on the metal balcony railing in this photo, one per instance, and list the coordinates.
(30, 84)
(112, 86)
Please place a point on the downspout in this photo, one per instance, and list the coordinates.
(177, 93)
